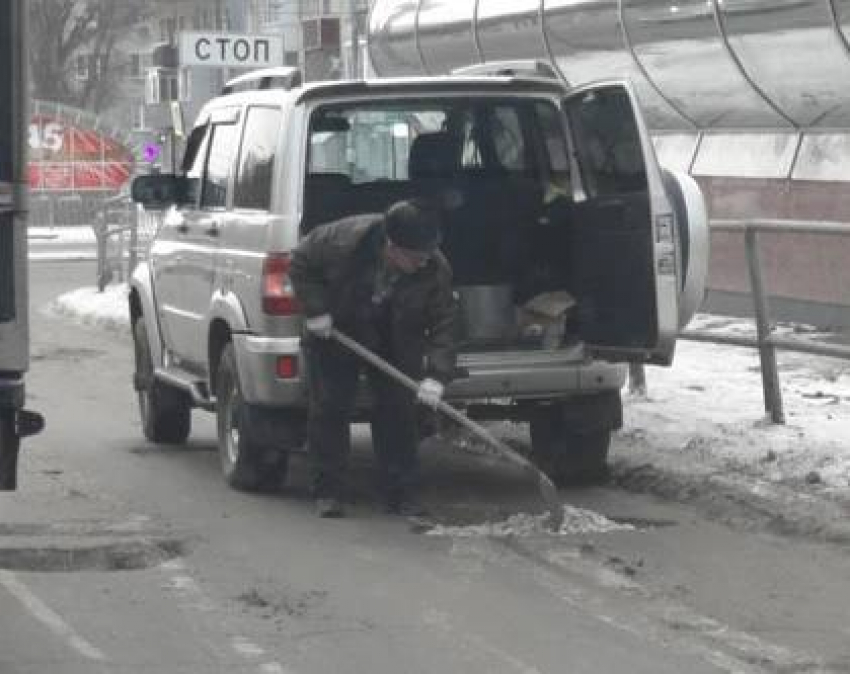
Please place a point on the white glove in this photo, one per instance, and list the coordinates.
(320, 326)
(430, 393)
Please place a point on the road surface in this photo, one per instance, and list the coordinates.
(120, 556)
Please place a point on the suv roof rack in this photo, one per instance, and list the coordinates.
(520, 68)
(285, 78)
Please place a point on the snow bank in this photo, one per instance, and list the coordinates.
(707, 412)
(88, 306)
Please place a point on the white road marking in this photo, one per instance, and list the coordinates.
(48, 617)
(246, 648)
(193, 598)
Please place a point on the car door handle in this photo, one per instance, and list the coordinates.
(183, 228)
(212, 230)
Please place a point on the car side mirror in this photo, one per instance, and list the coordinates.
(159, 192)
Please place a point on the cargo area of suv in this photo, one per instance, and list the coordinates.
(533, 266)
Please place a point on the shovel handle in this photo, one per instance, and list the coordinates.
(545, 485)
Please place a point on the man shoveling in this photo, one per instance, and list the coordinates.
(381, 280)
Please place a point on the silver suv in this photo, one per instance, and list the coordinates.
(573, 253)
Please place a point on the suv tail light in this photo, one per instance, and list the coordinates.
(278, 295)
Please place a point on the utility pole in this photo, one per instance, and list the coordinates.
(354, 18)
(15, 422)
(219, 23)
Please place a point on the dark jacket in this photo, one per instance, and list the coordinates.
(333, 271)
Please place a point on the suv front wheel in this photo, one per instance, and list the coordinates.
(166, 411)
(247, 463)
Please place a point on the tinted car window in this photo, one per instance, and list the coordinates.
(219, 165)
(508, 138)
(256, 161)
(368, 143)
(608, 142)
(194, 161)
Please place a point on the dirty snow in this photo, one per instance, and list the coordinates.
(87, 306)
(704, 415)
(707, 413)
(576, 521)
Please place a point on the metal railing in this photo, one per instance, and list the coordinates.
(765, 341)
(123, 232)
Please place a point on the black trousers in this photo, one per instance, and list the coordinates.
(332, 377)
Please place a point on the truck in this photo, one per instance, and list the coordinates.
(553, 199)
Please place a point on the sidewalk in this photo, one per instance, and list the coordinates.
(62, 243)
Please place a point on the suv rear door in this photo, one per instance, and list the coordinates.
(187, 247)
(624, 260)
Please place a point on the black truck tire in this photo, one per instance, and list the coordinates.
(166, 411)
(570, 440)
(248, 462)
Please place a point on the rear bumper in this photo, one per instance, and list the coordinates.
(514, 375)
(256, 358)
(530, 375)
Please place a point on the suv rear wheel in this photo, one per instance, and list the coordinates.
(166, 411)
(247, 463)
(570, 440)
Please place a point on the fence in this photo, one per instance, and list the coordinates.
(123, 232)
(766, 342)
(60, 209)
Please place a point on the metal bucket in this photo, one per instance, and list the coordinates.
(486, 312)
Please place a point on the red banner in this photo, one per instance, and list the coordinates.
(64, 156)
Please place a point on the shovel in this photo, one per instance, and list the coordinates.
(547, 488)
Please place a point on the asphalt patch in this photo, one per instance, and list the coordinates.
(122, 555)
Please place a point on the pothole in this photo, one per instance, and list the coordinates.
(87, 528)
(126, 555)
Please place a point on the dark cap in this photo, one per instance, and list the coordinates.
(413, 225)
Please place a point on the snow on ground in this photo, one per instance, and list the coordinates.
(62, 243)
(575, 521)
(87, 306)
(78, 234)
(705, 414)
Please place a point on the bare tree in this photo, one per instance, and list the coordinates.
(62, 31)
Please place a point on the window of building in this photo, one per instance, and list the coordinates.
(167, 28)
(163, 86)
(90, 66)
(82, 67)
(256, 162)
(185, 92)
(138, 116)
(139, 63)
